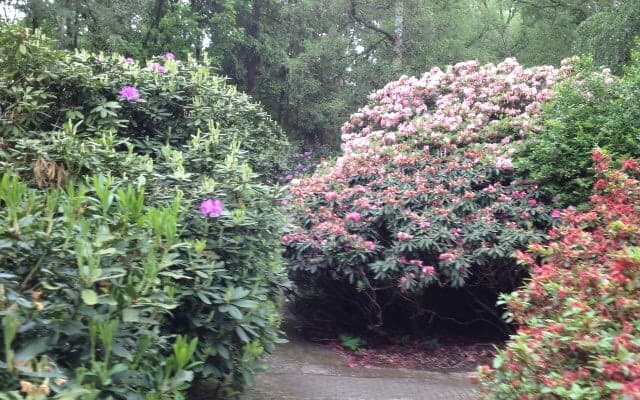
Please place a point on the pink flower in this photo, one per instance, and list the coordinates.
(169, 56)
(630, 165)
(130, 94)
(425, 225)
(354, 216)
(533, 202)
(404, 237)
(331, 196)
(128, 60)
(161, 69)
(417, 263)
(449, 256)
(504, 164)
(369, 245)
(211, 208)
(429, 270)
(556, 214)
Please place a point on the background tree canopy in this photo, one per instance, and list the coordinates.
(299, 57)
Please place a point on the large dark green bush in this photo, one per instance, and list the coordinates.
(591, 110)
(105, 258)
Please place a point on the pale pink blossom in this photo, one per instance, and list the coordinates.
(404, 237)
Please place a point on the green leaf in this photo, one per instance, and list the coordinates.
(89, 297)
(223, 351)
(231, 310)
(103, 235)
(242, 334)
(246, 303)
(30, 350)
(118, 368)
(239, 293)
(130, 315)
(182, 377)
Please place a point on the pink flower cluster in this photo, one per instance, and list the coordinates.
(463, 99)
(158, 68)
(130, 94)
(211, 208)
(418, 146)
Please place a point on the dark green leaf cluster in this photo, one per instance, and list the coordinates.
(592, 110)
(112, 283)
(41, 89)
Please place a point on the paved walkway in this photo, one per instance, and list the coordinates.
(305, 371)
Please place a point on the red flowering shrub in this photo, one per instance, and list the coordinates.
(425, 192)
(579, 316)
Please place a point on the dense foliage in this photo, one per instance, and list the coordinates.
(138, 249)
(88, 281)
(313, 62)
(579, 315)
(591, 110)
(425, 193)
(152, 103)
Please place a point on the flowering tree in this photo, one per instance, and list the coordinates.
(425, 192)
(579, 313)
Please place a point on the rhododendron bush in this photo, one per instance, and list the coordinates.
(579, 315)
(425, 192)
(139, 252)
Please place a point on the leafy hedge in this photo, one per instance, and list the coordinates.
(579, 315)
(425, 194)
(40, 89)
(593, 109)
(139, 253)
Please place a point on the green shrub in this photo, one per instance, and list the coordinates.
(90, 275)
(40, 89)
(592, 110)
(579, 315)
(132, 191)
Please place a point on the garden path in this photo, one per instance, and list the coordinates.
(300, 370)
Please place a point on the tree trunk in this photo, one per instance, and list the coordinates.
(74, 36)
(62, 24)
(253, 58)
(398, 45)
(158, 13)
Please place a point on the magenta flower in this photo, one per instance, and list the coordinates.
(556, 214)
(169, 56)
(211, 208)
(128, 60)
(161, 69)
(129, 93)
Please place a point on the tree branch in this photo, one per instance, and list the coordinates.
(353, 13)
